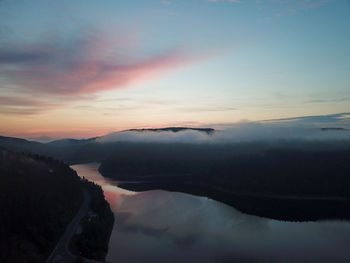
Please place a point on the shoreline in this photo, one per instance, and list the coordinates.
(278, 207)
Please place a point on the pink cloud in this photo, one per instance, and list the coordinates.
(86, 66)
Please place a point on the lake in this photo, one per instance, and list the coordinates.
(161, 226)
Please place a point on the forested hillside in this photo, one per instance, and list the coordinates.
(285, 183)
(39, 196)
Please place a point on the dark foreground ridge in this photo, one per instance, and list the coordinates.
(41, 202)
(284, 184)
(96, 226)
(61, 252)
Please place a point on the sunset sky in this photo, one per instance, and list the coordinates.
(87, 68)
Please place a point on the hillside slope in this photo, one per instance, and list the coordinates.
(39, 196)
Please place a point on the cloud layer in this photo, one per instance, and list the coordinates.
(24, 106)
(82, 66)
(61, 70)
(304, 128)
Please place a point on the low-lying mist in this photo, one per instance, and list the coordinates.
(238, 133)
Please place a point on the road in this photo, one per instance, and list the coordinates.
(61, 252)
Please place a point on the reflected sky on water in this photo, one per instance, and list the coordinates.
(161, 226)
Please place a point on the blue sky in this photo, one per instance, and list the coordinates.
(81, 68)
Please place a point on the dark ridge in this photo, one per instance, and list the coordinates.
(70, 142)
(42, 139)
(335, 129)
(5, 139)
(175, 129)
(39, 196)
(284, 184)
(23, 145)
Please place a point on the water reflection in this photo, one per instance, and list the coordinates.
(161, 226)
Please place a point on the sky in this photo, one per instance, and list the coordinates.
(88, 68)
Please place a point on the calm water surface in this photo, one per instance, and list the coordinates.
(160, 226)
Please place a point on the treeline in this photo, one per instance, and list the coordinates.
(97, 226)
(272, 171)
(38, 198)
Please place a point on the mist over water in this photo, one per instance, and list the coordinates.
(161, 226)
(244, 132)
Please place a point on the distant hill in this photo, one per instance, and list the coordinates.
(63, 149)
(175, 129)
(43, 139)
(335, 129)
(97, 149)
(16, 141)
(71, 142)
(23, 145)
